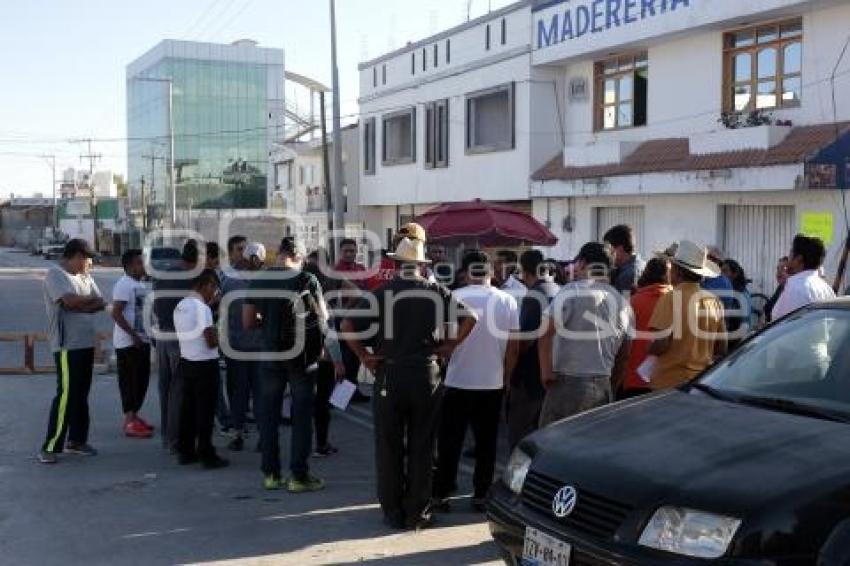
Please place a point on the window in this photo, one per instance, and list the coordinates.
(763, 67)
(436, 55)
(384, 75)
(369, 146)
(424, 60)
(487, 38)
(375, 77)
(399, 137)
(437, 134)
(621, 91)
(490, 120)
(504, 31)
(448, 51)
(413, 63)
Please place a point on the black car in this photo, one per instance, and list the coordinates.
(748, 464)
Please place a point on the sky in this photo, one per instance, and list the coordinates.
(63, 62)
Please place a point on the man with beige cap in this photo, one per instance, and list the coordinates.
(407, 316)
(690, 320)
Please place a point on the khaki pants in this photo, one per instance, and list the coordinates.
(572, 395)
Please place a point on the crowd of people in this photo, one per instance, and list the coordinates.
(519, 338)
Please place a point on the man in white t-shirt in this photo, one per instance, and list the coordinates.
(805, 285)
(199, 370)
(131, 342)
(475, 382)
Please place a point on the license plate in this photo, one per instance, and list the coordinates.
(540, 549)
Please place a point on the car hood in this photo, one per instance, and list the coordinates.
(689, 449)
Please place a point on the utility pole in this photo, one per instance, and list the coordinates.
(92, 158)
(52, 159)
(151, 187)
(339, 218)
(326, 172)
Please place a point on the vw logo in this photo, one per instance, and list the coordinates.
(565, 501)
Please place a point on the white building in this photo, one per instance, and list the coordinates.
(646, 88)
(616, 113)
(450, 118)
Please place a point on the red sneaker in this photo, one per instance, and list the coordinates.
(135, 429)
(145, 423)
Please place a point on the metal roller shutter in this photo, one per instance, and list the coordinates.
(756, 237)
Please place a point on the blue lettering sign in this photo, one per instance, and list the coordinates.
(547, 36)
(582, 20)
(612, 12)
(597, 16)
(630, 16)
(567, 30)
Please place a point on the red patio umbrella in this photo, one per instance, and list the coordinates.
(484, 224)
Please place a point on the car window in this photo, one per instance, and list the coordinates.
(805, 358)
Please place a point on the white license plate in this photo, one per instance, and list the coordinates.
(540, 549)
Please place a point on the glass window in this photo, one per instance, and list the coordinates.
(436, 134)
(490, 120)
(761, 61)
(622, 89)
(399, 142)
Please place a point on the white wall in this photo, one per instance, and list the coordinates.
(685, 83)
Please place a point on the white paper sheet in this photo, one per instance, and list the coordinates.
(647, 368)
(342, 394)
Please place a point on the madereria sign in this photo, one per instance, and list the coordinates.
(597, 16)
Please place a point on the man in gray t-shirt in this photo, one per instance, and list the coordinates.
(586, 341)
(72, 299)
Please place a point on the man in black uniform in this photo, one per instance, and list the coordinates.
(411, 313)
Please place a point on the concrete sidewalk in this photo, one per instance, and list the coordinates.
(132, 504)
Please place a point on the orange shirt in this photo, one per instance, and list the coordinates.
(643, 304)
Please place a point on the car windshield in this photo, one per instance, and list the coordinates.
(801, 364)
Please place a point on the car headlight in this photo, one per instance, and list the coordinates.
(689, 533)
(516, 470)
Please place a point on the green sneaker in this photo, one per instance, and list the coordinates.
(310, 483)
(272, 483)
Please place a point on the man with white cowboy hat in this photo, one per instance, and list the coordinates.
(690, 320)
(411, 313)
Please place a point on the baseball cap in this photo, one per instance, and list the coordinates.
(78, 246)
(255, 249)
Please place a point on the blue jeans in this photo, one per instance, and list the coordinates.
(302, 385)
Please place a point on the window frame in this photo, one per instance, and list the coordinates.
(411, 114)
(600, 77)
(436, 55)
(730, 52)
(472, 148)
(369, 148)
(437, 134)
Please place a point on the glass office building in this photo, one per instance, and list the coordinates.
(227, 110)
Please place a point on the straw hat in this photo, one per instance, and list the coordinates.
(409, 251)
(694, 258)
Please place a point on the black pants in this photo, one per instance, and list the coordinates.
(461, 408)
(243, 384)
(134, 375)
(69, 413)
(406, 406)
(523, 412)
(170, 391)
(325, 382)
(351, 363)
(302, 386)
(200, 382)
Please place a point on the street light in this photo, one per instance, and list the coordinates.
(170, 83)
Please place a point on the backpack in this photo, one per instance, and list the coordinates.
(303, 315)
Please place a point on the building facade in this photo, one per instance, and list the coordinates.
(227, 109)
(699, 120)
(454, 117)
(687, 119)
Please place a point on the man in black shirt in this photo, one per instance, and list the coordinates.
(410, 316)
(270, 315)
(526, 393)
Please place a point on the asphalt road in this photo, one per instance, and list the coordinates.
(132, 504)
